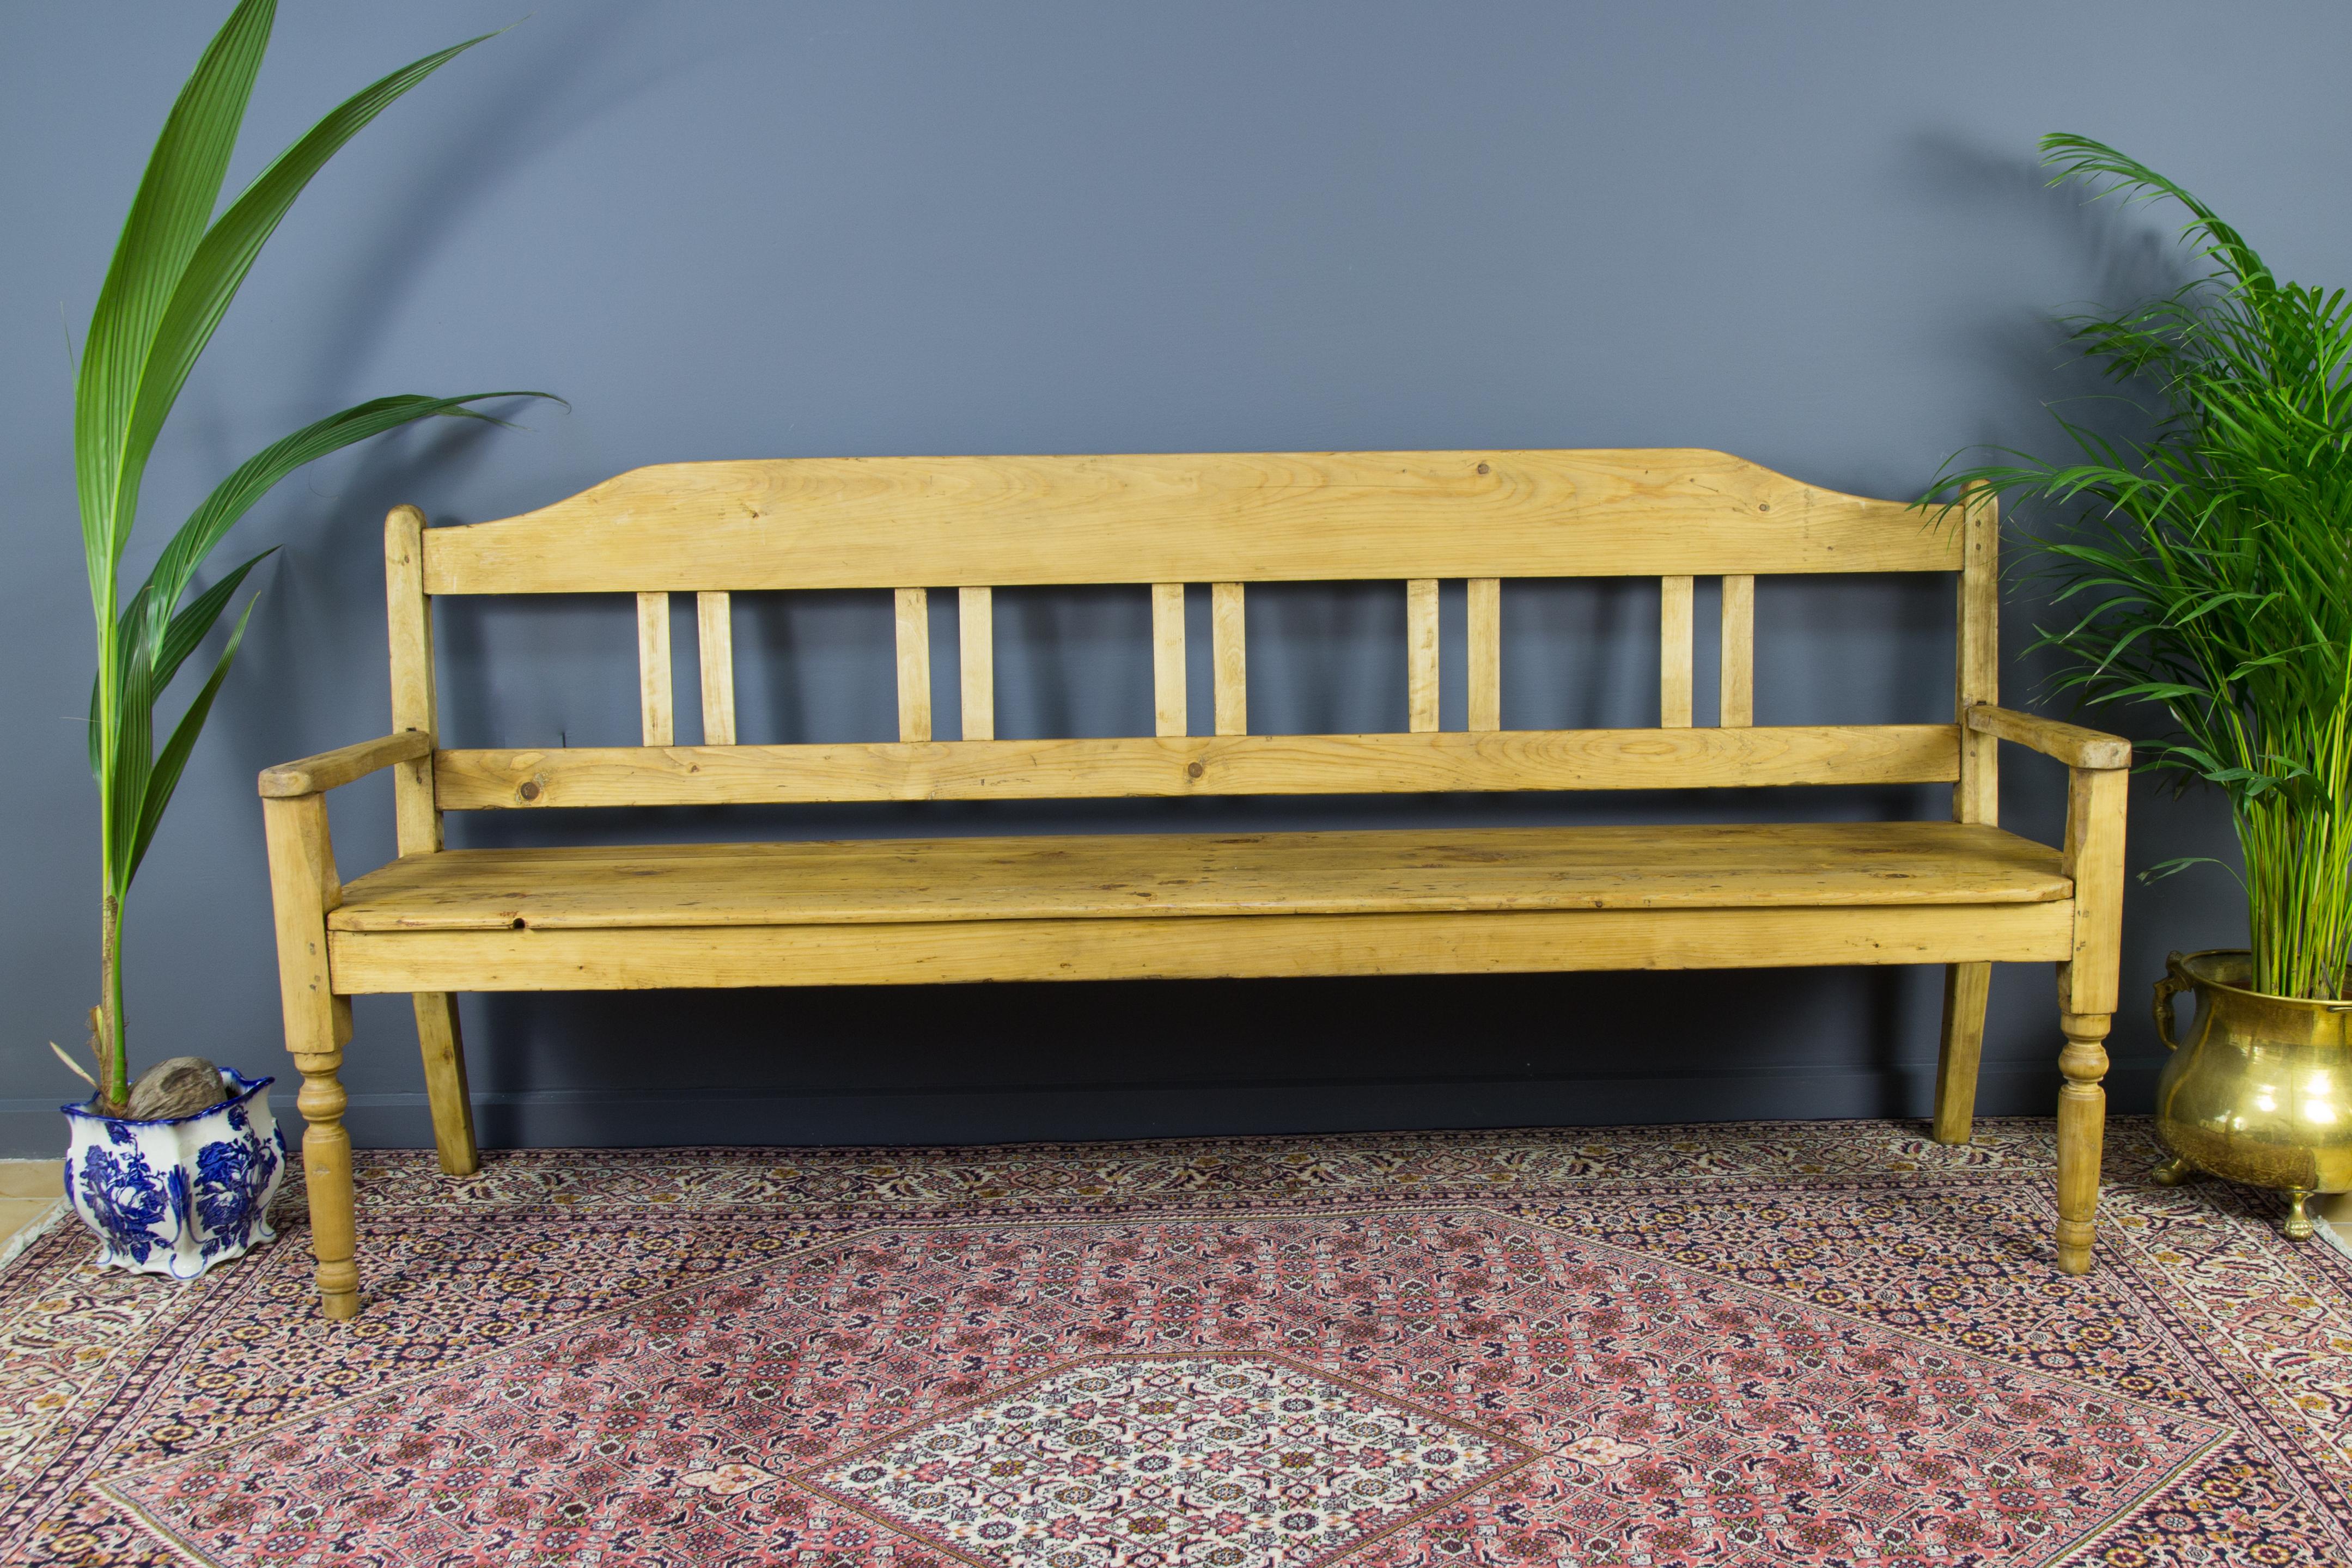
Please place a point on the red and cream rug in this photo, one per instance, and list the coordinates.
(1759, 1343)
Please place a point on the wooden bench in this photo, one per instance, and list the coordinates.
(435, 922)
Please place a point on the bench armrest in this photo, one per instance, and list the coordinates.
(333, 769)
(2069, 743)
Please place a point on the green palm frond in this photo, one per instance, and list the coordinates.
(175, 271)
(2207, 572)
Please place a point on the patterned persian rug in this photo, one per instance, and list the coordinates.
(1748, 1344)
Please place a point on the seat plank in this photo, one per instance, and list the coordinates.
(1192, 948)
(1130, 874)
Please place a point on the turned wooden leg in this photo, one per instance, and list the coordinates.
(1967, 987)
(302, 888)
(327, 1169)
(2086, 1000)
(445, 1081)
(2081, 1125)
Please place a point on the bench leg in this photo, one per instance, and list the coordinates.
(326, 1170)
(302, 888)
(445, 1081)
(1967, 987)
(2081, 1122)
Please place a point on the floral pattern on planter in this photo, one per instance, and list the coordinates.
(178, 1195)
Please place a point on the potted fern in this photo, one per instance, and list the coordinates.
(175, 1173)
(2206, 575)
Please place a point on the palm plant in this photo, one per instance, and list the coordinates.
(175, 269)
(2208, 571)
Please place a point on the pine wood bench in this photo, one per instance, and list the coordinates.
(435, 922)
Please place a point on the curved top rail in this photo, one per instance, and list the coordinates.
(885, 522)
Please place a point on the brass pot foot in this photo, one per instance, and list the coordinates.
(2174, 1171)
(2296, 1225)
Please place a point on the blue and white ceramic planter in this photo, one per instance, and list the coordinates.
(179, 1195)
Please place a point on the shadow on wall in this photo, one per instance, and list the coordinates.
(1133, 1059)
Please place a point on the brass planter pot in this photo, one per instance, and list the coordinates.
(2260, 1089)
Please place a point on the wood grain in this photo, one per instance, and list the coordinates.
(914, 620)
(303, 890)
(714, 632)
(1193, 947)
(1486, 654)
(1421, 653)
(1170, 715)
(976, 660)
(2087, 982)
(2071, 744)
(2094, 862)
(408, 618)
(1675, 630)
(858, 522)
(1229, 652)
(1976, 526)
(657, 692)
(333, 769)
(1199, 765)
(1736, 686)
(443, 1048)
(1967, 988)
(1127, 875)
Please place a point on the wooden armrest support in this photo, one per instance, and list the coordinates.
(333, 769)
(2069, 743)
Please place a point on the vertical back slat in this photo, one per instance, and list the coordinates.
(1226, 643)
(409, 614)
(714, 632)
(1421, 653)
(1168, 714)
(1977, 797)
(1486, 652)
(655, 695)
(976, 645)
(1675, 652)
(1738, 710)
(913, 664)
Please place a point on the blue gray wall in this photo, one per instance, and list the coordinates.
(1810, 234)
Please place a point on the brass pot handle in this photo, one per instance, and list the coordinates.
(2175, 981)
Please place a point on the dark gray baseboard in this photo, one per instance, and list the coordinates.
(1031, 1113)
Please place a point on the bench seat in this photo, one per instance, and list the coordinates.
(879, 880)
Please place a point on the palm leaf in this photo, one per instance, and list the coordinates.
(221, 260)
(236, 495)
(2207, 570)
(155, 793)
(165, 225)
(180, 638)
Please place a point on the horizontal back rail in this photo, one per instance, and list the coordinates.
(1426, 761)
(995, 522)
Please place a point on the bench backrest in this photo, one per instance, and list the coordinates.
(1226, 520)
